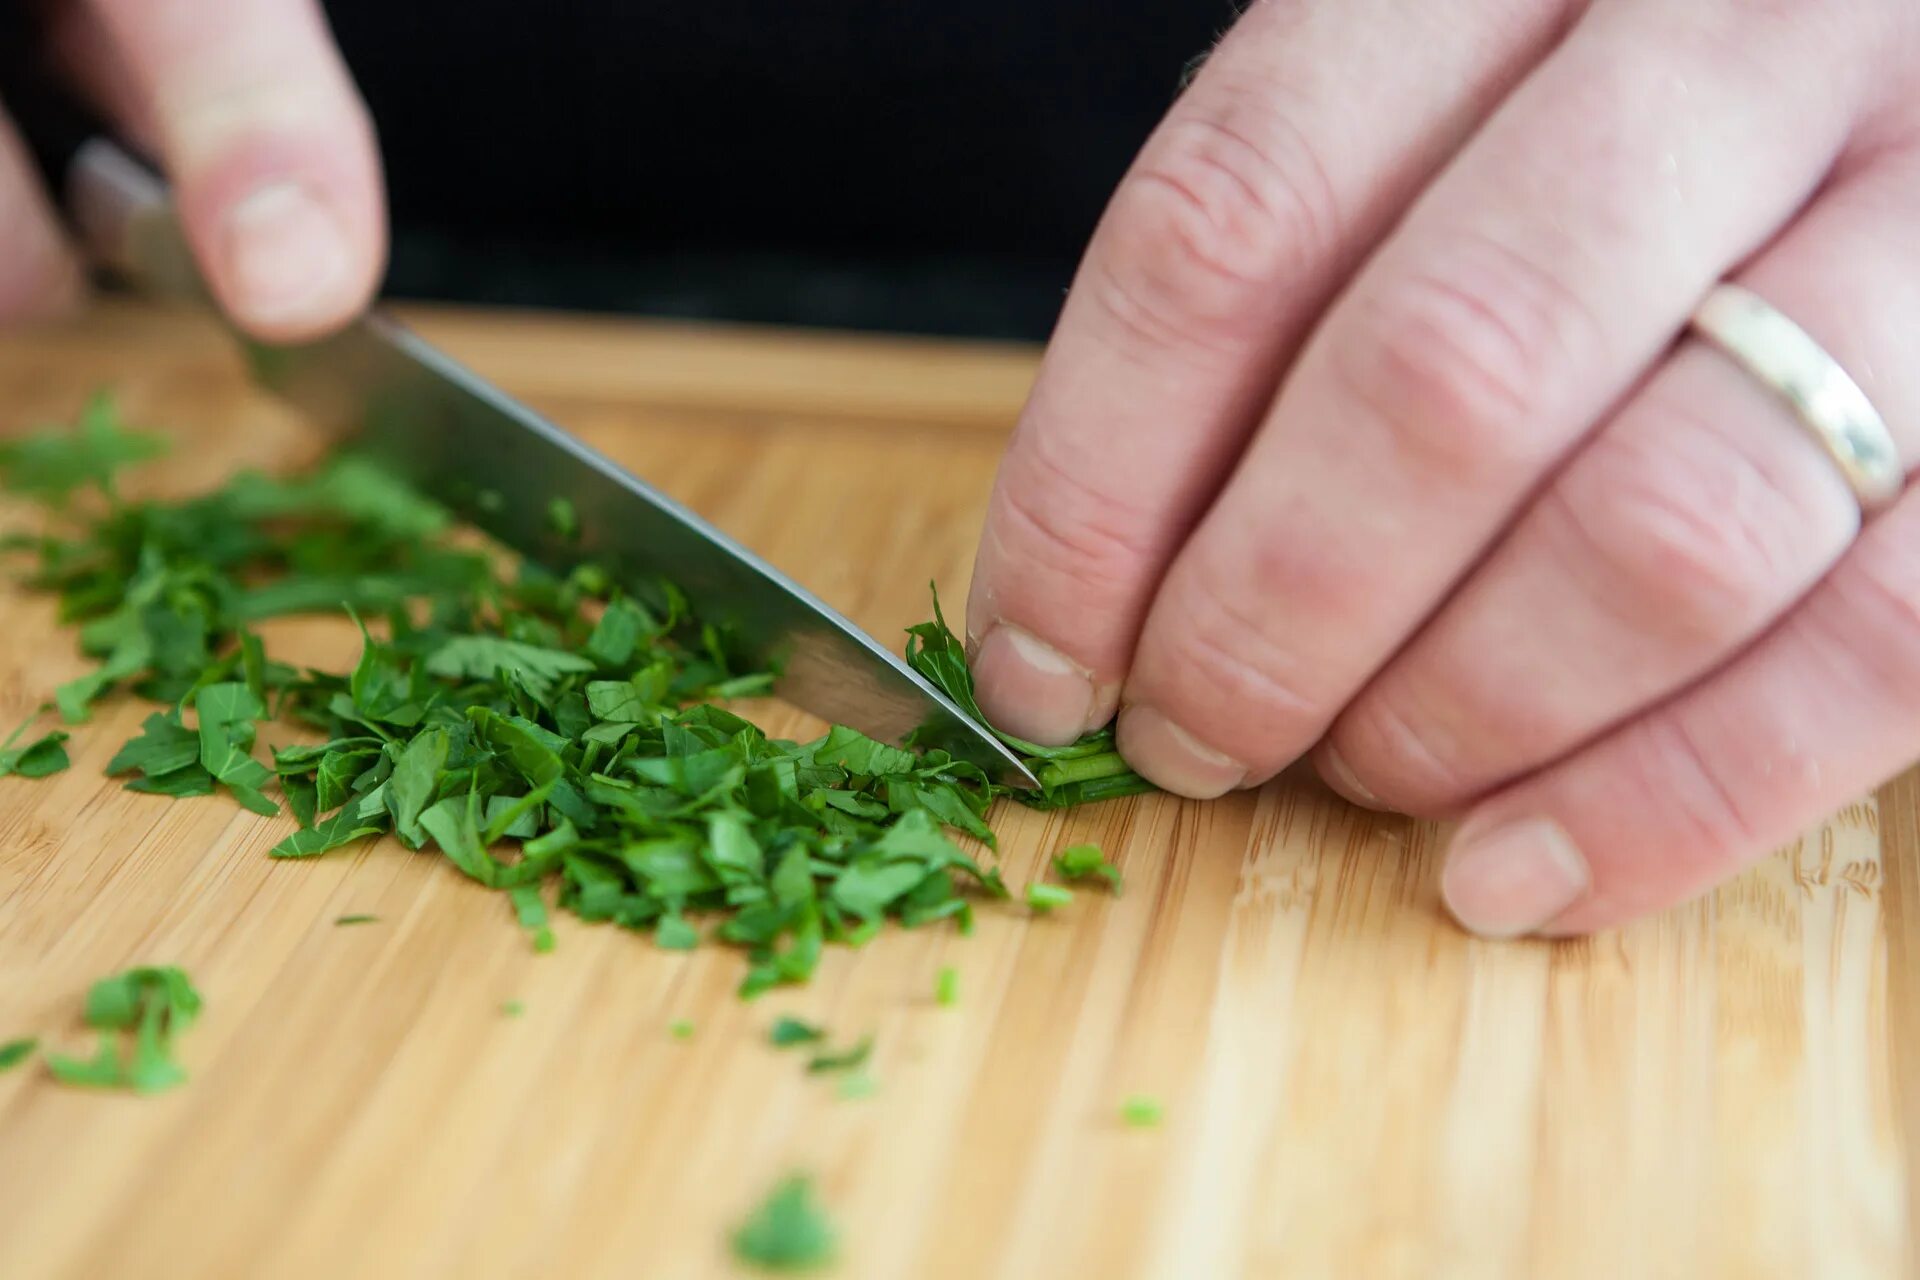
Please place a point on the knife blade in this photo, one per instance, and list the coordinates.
(500, 465)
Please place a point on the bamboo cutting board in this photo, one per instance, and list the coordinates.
(1352, 1087)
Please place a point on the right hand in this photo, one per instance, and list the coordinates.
(270, 151)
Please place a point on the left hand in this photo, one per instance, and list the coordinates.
(1365, 426)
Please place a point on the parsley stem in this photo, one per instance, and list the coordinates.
(1062, 773)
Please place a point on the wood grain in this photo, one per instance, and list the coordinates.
(1352, 1087)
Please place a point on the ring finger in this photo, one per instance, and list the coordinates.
(1683, 529)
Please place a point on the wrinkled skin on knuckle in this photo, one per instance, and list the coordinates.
(1460, 362)
(1401, 754)
(1209, 228)
(1866, 624)
(1218, 666)
(1063, 544)
(1669, 769)
(1678, 544)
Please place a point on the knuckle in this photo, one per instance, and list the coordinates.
(1399, 757)
(1672, 773)
(1870, 623)
(1226, 659)
(1223, 208)
(1693, 539)
(1070, 529)
(1461, 362)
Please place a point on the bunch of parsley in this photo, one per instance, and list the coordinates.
(553, 737)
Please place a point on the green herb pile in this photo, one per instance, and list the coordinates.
(554, 737)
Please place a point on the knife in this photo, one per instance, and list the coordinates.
(501, 466)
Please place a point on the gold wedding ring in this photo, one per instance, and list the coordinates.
(1828, 402)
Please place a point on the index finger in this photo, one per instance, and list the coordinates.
(1293, 150)
(269, 148)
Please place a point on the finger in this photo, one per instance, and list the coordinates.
(1682, 530)
(270, 151)
(1826, 706)
(83, 51)
(38, 273)
(1286, 158)
(1526, 291)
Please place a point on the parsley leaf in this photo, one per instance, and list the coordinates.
(228, 713)
(43, 756)
(152, 1006)
(788, 1232)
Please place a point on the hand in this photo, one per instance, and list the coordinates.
(266, 141)
(1368, 425)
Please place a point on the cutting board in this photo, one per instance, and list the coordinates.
(1352, 1088)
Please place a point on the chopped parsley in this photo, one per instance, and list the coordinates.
(1142, 1112)
(946, 988)
(1045, 897)
(356, 919)
(512, 1008)
(138, 1014)
(15, 1052)
(45, 755)
(788, 1232)
(1085, 861)
(554, 736)
(849, 1059)
(680, 1029)
(854, 1085)
(792, 1031)
(1079, 773)
(563, 519)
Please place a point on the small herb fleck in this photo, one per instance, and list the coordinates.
(1142, 1112)
(14, 1052)
(1045, 897)
(356, 919)
(857, 1084)
(680, 1029)
(512, 1008)
(792, 1031)
(1084, 861)
(563, 519)
(946, 990)
(841, 1060)
(788, 1232)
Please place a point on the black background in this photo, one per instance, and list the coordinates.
(920, 166)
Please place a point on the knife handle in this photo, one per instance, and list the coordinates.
(118, 206)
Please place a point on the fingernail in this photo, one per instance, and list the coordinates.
(1337, 774)
(1514, 878)
(1030, 689)
(287, 257)
(1173, 759)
